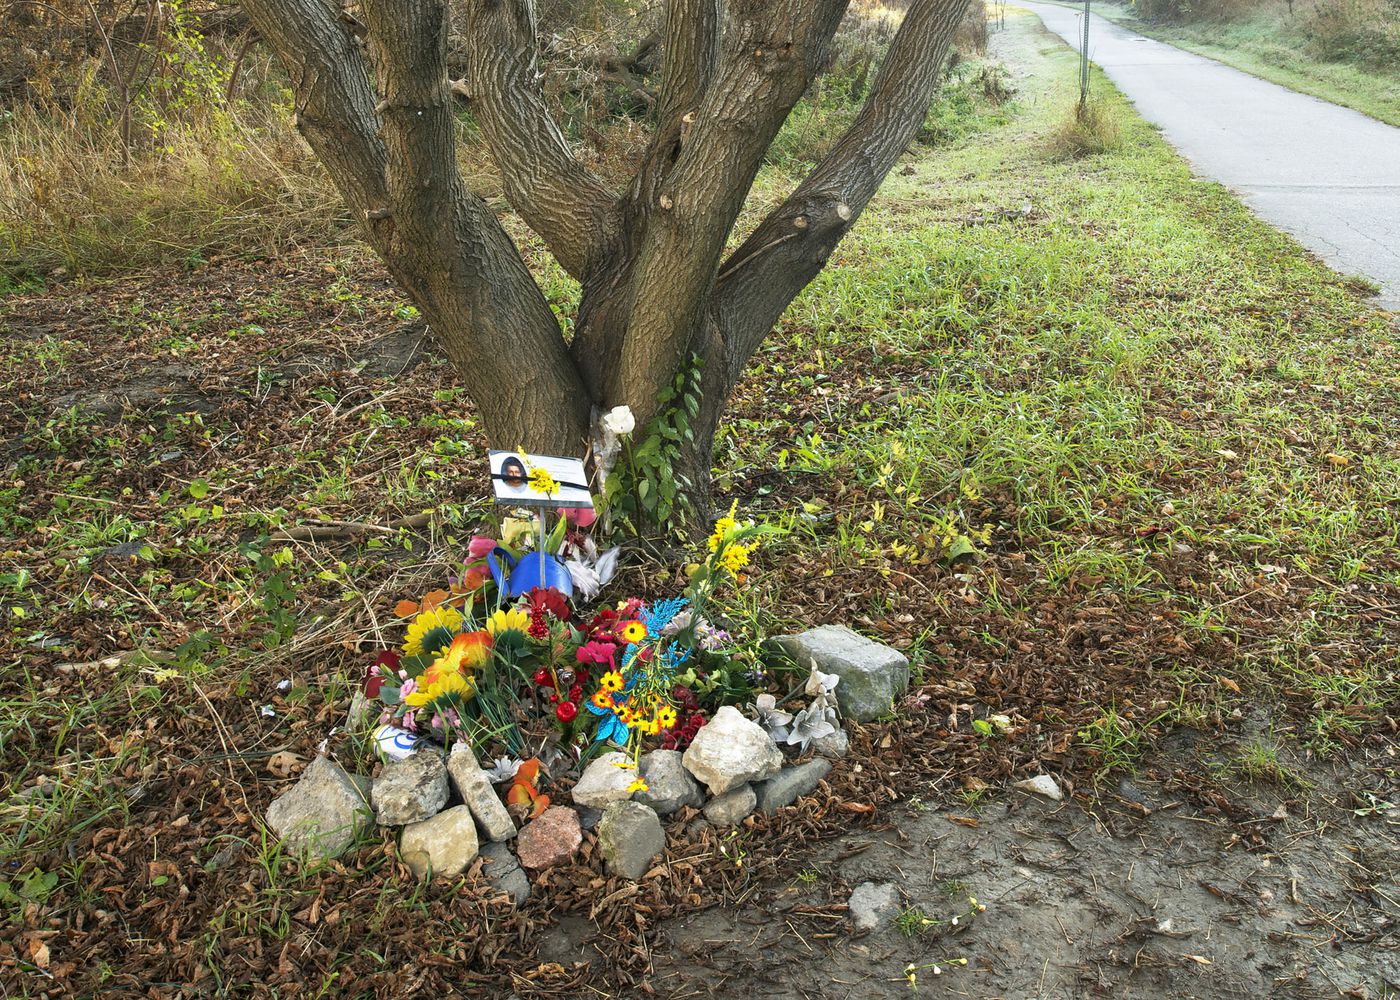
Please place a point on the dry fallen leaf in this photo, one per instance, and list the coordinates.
(1340, 461)
(1198, 959)
(1226, 682)
(282, 764)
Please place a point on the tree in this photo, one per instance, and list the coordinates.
(374, 100)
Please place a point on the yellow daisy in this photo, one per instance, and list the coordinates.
(610, 681)
(634, 631)
(508, 620)
(601, 699)
(666, 717)
(432, 631)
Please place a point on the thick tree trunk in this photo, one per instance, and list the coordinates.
(656, 287)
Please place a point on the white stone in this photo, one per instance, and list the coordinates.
(1042, 785)
(475, 789)
(605, 781)
(443, 845)
(730, 750)
(323, 813)
(410, 790)
(873, 905)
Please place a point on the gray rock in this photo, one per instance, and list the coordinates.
(790, 784)
(630, 837)
(443, 845)
(730, 808)
(872, 675)
(603, 782)
(1042, 785)
(503, 871)
(323, 813)
(475, 789)
(588, 818)
(833, 744)
(410, 790)
(669, 785)
(730, 751)
(873, 905)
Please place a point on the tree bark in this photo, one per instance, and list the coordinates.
(656, 287)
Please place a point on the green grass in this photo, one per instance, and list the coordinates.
(1270, 44)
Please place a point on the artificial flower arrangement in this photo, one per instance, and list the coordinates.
(475, 667)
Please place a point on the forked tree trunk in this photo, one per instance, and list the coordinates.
(374, 100)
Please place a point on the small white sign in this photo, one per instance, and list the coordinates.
(539, 480)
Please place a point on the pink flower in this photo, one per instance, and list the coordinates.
(596, 652)
(581, 516)
(479, 546)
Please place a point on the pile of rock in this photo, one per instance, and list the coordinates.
(451, 814)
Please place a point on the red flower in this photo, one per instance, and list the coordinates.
(387, 663)
(544, 599)
(565, 711)
(594, 651)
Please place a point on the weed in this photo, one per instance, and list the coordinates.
(1088, 129)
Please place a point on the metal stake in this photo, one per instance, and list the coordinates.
(542, 582)
(1084, 62)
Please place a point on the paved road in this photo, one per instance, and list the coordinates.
(1328, 175)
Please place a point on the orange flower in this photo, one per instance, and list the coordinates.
(601, 699)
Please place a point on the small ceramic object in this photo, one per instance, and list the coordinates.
(394, 743)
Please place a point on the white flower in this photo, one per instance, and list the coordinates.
(812, 723)
(820, 684)
(502, 770)
(619, 421)
(772, 718)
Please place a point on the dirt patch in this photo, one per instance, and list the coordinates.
(1122, 898)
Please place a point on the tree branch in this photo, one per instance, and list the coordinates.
(789, 248)
(572, 210)
(771, 51)
(333, 96)
(394, 161)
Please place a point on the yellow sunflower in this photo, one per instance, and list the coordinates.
(447, 682)
(508, 620)
(601, 699)
(666, 717)
(432, 631)
(634, 631)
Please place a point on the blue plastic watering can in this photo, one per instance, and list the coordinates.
(519, 576)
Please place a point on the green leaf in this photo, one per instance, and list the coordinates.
(199, 489)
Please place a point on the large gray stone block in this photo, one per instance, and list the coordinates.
(873, 676)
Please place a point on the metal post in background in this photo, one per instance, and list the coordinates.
(1084, 61)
